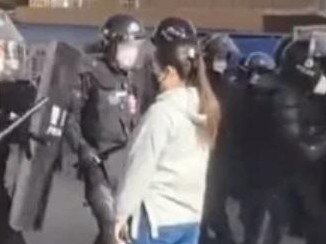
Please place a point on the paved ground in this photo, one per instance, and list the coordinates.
(67, 221)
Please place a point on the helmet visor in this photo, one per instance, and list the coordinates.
(12, 58)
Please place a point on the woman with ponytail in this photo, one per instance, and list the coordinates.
(164, 184)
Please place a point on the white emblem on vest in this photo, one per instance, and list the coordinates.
(116, 97)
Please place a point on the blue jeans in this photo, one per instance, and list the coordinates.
(174, 234)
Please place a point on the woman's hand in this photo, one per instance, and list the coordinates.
(121, 235)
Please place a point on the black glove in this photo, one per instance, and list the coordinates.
(88, 157)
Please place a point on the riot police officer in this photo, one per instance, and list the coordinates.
(248, 138)
(15, 98)
(261, 166)
(221, 58)
(106, 103)
(16, 95)
(300, 113)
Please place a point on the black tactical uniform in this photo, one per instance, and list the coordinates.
(262, 165)
(15, 99)
(100, 120)
(300, 113)
(220, 56)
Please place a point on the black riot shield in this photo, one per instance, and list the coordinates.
(35, 174)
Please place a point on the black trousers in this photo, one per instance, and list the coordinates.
(99, 195)
(308, 205)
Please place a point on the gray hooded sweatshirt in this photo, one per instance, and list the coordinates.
(167, 164)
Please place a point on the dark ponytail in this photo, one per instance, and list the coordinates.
(209, 104)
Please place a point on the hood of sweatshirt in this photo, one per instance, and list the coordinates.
(185, 100)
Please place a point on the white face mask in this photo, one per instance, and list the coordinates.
(128, 54)
(219, 65)
(320, 88)
(254, 80)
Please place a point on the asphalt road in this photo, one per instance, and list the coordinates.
(67, 220)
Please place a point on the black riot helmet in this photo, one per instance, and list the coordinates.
(123, 36)
(257, 67)
(123, 27)
(220, 53)
(302, 66)
(280, 47)
(259, 62)
(174, 29)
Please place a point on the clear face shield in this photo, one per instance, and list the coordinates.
(12, 59)
(128, 53)
(316, 53)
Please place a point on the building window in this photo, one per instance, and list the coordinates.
(56, 3)
(130, 4)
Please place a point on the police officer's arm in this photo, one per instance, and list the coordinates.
(73, 130)
(151, 137)
(288, 122)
